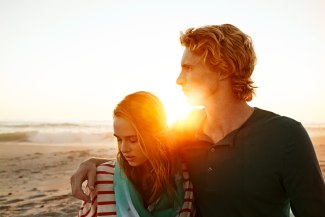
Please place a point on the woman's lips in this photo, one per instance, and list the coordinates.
(129, 158)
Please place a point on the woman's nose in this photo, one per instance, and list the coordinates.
(124, 147)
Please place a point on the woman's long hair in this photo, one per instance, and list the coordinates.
(147, 115)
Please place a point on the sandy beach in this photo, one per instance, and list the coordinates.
(35, 179)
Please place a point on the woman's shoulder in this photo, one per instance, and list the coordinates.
(184, 171)
(180, 169)
(111, 162)
(108, 166)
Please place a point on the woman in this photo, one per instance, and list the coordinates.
(145, 180)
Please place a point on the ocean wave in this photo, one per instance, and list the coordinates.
(16, 136)
(56, 132)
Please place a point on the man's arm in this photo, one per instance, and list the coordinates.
(85, 171)
(303, 178)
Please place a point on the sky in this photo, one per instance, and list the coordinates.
(73, 60)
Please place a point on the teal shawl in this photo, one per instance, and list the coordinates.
(129, 202)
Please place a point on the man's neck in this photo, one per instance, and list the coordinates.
(224, 117)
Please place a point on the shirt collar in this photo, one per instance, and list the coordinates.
(229, 139)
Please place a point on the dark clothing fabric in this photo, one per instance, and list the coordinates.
(260, 169)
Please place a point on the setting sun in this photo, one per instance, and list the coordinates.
(175, 104)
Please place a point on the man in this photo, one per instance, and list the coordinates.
(243, 161)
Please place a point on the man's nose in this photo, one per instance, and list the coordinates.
(180, 79)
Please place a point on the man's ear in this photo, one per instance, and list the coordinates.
(225, 74)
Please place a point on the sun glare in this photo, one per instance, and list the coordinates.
(176, 105)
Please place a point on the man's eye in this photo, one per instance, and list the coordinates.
(187, 68)
(133, 139)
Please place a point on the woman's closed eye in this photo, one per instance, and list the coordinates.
(133, 139)
(118, 140)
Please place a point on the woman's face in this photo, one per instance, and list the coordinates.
(128, 142)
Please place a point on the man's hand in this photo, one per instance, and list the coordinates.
(86, 171)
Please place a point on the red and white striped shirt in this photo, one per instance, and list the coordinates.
(103, 201)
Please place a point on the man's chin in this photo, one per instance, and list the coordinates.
(194, 101)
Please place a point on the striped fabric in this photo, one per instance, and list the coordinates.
(103, 197)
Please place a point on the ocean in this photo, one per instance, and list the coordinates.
(56, 132)
(99, 132)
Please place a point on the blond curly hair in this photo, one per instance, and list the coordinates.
(225, 49)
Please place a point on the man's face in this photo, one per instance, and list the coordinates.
(197, 80)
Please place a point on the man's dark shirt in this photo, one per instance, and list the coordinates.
(259, 169)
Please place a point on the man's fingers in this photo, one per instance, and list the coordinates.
(91, 179)
(81, 195)
(86, 171)
(76, 188)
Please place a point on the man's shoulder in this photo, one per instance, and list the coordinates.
(190, 124)
(185, 130)
(273, 119)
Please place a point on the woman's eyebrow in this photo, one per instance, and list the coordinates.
(125, 136)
